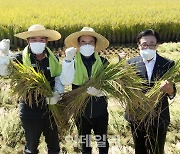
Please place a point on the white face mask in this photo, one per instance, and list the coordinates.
(147, 54)
(87, 50)
(37, 47)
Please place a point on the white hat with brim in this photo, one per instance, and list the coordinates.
(72, 40)
(39, 30)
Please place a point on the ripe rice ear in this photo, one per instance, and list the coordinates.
(28, 83)
(116, 80)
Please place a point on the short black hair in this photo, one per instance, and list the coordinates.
(147, 32)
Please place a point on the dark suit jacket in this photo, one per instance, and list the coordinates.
(162, 65)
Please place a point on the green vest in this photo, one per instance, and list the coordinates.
(81, 75)
(55, 66)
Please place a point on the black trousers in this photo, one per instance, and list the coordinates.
(34, 128)
(99, 126)
(149, 142)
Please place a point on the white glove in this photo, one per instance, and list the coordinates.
(4, 62)
(54, 99)
(4, 47)
(4, 70)
(94, 92)
(70, 53)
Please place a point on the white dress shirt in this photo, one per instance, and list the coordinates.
(149, 67)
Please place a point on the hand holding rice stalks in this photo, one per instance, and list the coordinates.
(172, 75)
(155, 93)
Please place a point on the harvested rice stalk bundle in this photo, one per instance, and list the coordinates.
(62, 123)
(116, 80)
(69, 106)
(28, 83)
(155, 93)
(173, 75)
(128, 86)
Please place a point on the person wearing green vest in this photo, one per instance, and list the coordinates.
(37, 119)
(82, 62)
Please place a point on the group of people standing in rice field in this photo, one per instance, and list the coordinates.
(81, 59)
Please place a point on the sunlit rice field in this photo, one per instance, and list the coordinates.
(119, 21)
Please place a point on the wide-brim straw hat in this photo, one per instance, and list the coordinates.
(39, 30)
(72, 40)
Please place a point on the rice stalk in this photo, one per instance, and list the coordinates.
(116, 80)
(155, 94)
(28, 83)
(172, 75)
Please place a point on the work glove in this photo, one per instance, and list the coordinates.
(54, 99)
(4, 63)
(4, 47)
(5, 60)
(94, 92)
(70, 53)
(4, 70)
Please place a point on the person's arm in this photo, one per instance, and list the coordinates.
(57, 91)
(58, 87)
(67, 74)
(4, 57)
(171, 96)
(167, 87)
(68, 70)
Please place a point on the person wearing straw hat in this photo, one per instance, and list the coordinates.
(82, 60)
(36, 119)
(151, 67)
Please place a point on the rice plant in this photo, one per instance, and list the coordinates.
(116, 80)
(10, 128)
(172, 75)
(118, 21)
(28, 83)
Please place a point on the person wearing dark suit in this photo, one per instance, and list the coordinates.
(150, 66)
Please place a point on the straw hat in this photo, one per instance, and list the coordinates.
(39, 30)
(72, 39)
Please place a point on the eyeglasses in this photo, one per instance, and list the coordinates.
(85, 43)
(145, 46)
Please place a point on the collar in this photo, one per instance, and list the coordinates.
(90, 58)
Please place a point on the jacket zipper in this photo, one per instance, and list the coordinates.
(91, 107)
